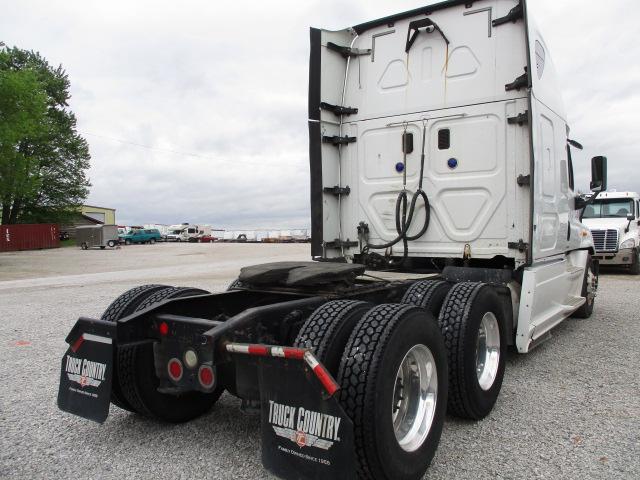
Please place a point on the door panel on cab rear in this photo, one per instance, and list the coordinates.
(472, 158)
(327, 73)
(459, 74)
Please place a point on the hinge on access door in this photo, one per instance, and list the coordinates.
(337, 140)
(347, 52)
(337, 190)
(520, 245)
(519, 119)
(521, 82)
(337, 109)
(523, 180)
(514, 15)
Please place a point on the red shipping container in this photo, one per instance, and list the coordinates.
(29, 237)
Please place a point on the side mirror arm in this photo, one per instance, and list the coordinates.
(581, 203)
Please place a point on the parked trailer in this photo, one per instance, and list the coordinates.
(300, 236)
(353, 372)
(29, 237)
(102, 236)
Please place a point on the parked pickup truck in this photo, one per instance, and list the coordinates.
(151, 235)
(614, 221)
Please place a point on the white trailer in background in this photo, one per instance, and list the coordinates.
(273, 236)
(244, 236)
(300, 235)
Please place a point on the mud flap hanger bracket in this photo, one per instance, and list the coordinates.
(414, 30)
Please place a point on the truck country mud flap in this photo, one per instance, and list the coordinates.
(87, 369)
(305, 432)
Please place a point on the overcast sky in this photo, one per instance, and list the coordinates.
(197, 110)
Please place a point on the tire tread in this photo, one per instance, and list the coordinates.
(452, 320)
(318, 330)
(122, 306)
(360, 362)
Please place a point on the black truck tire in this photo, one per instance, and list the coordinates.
(586, 309)
(465, 310)
(376, 353)
(111, 243)
(428, 294)
(122, 306)
(327, 331)
(139, 383)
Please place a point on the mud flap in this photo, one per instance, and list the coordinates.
(305, 432)
(86, 370)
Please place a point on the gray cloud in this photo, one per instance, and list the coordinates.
(228, 84)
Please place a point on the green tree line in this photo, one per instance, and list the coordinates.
(43, 159)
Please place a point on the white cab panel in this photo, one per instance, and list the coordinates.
(473, 68)
(470, 202)
(550, 292)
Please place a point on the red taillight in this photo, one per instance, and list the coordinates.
(205, 375)
(174, 367)
(164, 328)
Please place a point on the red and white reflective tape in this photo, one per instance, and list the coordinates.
(329, 384)
(323, 375)
(266, 350)
(90, 338)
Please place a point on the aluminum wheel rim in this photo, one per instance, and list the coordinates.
(414, 398)
(488, 351)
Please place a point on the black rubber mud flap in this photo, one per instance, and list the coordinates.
(87, 368)
(305, 431)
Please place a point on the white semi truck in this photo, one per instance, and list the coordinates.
(445, 228)
(614, 220)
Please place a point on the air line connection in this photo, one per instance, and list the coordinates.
(405, 218)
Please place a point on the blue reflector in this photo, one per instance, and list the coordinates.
(452, 163)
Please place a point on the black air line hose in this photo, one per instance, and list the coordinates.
(404, 219)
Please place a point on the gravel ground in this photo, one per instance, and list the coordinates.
(569, 409)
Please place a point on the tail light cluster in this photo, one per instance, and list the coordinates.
(176, 369)
(188, 362)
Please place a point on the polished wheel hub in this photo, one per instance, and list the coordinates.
(414, 398)
(488, 351)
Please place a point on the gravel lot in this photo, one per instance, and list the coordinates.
(569, 409)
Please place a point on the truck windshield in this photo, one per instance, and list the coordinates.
(609, 208)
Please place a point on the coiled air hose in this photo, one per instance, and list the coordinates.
(405, 218)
